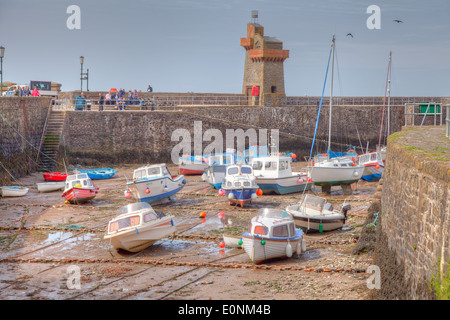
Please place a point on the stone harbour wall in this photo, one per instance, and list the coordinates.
(22, 119)
(413, 228)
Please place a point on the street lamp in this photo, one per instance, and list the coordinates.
(86, 74)
(2, 54)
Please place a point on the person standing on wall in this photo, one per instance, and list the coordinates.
(35, 92)
(149, 89)
(101, 100)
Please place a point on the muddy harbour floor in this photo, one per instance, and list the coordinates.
(47, 241)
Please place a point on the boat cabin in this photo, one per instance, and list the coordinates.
(133, 215)
(272, 167)
(239, 176)
(79, 180)
(222, 159)
(151, 172)
(273, 223)
(372, 157)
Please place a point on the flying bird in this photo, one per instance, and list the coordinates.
(349, 34)
(398, 21)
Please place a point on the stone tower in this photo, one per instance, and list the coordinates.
(263, 69)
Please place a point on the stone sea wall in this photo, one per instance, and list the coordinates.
(145, 136)
(22, 119)
(413, 230)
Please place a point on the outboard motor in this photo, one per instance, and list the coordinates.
(345, 208)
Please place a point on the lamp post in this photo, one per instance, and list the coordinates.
(2, 54)
(84, 76)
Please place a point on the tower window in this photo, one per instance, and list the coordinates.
(273, 89)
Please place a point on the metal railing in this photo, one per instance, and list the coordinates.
(447, 121)
(432, 109)
(98, 105)
(356, 101)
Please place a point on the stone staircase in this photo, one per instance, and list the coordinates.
(50, 140)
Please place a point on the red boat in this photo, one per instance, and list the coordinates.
(79, 189)
(54, 176)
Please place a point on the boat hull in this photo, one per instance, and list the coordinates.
(232, 241)
(192, 168)
(50, 186)
(13, 191)
(99, 174)
(156, 187)
(138, 239)
(330, 176)
(371, 173)
(54, 176)
(241, 196)
(273, 248)
(79, 195)
(313, 224)
(282, 185)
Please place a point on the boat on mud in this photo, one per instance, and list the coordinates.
(314, 213)
(153, 183)
(137, 226)
(13, 191)
(54, 176)
(216, 171)
(239, 185)
(79, 188)
(272, 234)
(50, 186)
(192, 165)
(99, 174)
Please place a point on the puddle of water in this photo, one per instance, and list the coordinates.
(61, 235)
(208, 224)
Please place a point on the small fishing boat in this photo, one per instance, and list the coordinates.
(274, 175)
(373, 166)
(216, 170)
(79, 188)
(137, 226)
(153, 183)
(272, 234)
(192, 165)
(50, 186)
(239, 185)
(99, 174)
(313, 213)
(13, 191)
(54, 176)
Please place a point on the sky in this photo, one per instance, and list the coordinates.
(194, 45)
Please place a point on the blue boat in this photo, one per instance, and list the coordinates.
(99, 174)
(216, 171)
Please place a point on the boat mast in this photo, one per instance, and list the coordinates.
(389, 96)
(331, 96)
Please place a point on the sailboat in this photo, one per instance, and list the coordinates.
(374, 161)
(338, 171)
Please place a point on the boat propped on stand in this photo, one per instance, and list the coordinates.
(154, 183)
(137, 226)
(272, 234)
(314, 213)
(338, 171)
(192, 165)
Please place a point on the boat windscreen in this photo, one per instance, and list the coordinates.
(274, 213)
(313, 202)
(246, 170)
(133, 207)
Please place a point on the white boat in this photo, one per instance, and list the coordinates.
(314, 213)
(137, 226)
(192, 165)
(153, 183)
(239, 185)
(274, 175)
(272, 234)
(335, 171)
(216, 171)
(373, 165)
(50, 186)
(326, 171)
(13, 191)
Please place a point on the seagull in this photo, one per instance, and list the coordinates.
(349, 34)
(398, 21)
